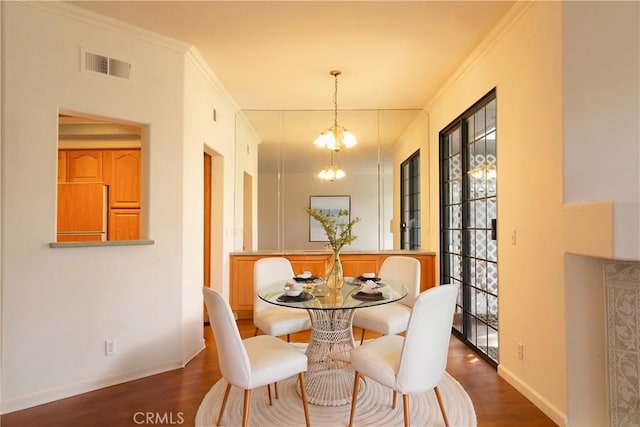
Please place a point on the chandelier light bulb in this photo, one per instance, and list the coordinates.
(331, 173)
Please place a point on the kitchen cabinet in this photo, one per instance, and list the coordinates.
(120, 170)
(124, 224)
(84, 166)
(122, 174)
(353, 264)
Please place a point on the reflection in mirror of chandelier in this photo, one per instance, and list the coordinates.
(331, 172)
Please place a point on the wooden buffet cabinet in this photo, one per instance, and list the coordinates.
(353, 264)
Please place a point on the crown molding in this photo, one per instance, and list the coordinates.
(198, 60)
(83, 15)
(89, 17)
(494, 36)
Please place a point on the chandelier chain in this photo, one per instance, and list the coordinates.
(335, 101)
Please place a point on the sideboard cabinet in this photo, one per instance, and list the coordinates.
(353, 264)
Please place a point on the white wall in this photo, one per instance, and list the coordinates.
(522, 58)
(60, 305)
(202, 94)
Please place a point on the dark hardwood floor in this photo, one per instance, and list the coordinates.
(172, 398)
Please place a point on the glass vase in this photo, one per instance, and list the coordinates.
(334, 275)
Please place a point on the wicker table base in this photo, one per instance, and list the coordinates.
(329, 379)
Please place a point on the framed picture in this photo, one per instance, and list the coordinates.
(327, 205)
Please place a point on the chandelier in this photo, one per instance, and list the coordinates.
(331, 172)
(336, 137)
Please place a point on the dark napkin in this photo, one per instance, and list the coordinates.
(300, 298)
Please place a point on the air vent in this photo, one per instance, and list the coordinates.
(105, 65)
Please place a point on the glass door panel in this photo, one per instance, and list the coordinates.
(468, 223)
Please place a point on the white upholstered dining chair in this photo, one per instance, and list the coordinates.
(389, 319)
(271, 319)
(253, 362)
(414, 363)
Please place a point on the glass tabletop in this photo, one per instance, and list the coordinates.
(317, 296)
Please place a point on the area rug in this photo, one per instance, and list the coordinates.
(373, 407)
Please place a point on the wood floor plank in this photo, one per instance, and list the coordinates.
(174, 397)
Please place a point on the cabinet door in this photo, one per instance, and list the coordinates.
(316, 264)
(356, 264)
(122, 173)
(124, 224)
(241, 286)
(84, 166)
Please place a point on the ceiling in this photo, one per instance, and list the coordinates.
(276, 56)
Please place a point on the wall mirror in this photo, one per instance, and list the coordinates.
(289, 162)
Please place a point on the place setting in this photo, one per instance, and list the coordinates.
(294, 290)
(369, 287)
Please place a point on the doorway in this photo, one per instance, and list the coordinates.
(213, 226)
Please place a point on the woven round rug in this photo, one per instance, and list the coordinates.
(373, 407)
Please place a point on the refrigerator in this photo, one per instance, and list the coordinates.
(82, 211)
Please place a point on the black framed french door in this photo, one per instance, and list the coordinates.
(468, 223)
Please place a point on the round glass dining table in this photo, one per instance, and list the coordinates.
(329, 380)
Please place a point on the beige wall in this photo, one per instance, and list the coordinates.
(522, 60)
(557, 114)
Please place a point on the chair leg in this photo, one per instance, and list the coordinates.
(393, 402)
(255, 333)
(444, 414)
(288, 338)
(405, 406)
(245, 408)
(303, 392)
(269, 393)
(275, 386)
(224, 403)
(353, 398)
(362, 337)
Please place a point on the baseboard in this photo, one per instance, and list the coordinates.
(556, 415)
(194, 353)
(70, 390)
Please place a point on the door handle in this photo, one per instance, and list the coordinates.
(494, 229)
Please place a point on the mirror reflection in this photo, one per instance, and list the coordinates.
(289, 163)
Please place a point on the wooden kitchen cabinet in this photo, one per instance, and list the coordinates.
(353, 264)
(124, 224)
(122, 174)
(120, 169)
(84, 165)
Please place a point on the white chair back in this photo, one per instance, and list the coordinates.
(405, 270)
(232, 354)
(426, 344)
(267, 271)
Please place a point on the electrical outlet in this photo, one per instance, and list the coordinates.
(109, 348)
(520, 351)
